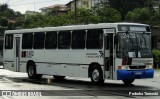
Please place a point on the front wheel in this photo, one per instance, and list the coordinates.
(96, 75)
(128, 81)
(31, 70)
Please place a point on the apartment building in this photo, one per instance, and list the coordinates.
(58, 9)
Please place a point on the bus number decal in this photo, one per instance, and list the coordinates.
(130, 35)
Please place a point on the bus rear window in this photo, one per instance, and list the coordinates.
(9, 41)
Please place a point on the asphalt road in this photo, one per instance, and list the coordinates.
(71, 88)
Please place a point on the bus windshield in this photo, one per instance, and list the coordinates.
(134, 45)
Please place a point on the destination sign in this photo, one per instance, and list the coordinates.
(133, 28)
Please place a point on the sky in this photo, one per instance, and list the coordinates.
(32, 5)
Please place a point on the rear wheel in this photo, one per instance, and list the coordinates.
(128, 81)
(31, 70)
(96, 75)
(58, 77)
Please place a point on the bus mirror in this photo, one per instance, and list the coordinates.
(116, 39)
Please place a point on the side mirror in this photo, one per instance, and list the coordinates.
(116, 39)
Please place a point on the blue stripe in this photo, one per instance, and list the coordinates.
(135, 74)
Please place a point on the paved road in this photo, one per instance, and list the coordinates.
(75, 87)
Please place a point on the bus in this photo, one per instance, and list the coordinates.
(114, 51)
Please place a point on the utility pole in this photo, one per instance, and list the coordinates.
(75, 11)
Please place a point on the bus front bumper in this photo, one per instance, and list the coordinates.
(134, 74)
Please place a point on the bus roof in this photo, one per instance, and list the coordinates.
(72, 27)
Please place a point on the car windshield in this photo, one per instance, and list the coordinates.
(134, 45)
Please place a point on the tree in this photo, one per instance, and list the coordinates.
(139, 15)
(8, 14)
(85, 16)
(108, 14)
(3, 22)
(124, 6)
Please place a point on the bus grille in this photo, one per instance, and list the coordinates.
(137, 67)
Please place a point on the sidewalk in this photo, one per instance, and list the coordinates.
(157, 73)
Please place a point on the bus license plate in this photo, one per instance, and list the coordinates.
(138, 73)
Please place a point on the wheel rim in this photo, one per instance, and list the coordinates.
(95, 75)
(31, 71)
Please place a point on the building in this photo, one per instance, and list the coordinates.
(86, 4)
(58, 9)
(31, 12)
(156, 5)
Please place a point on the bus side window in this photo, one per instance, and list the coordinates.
(78, 39)
(9, 41)
(51, 40)
(94, 39)
(27, 41)
(64, 40)
(39, 40)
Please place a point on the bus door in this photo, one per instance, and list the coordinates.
(109, 62)
(17, 53)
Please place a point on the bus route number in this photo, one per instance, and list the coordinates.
(129, 35)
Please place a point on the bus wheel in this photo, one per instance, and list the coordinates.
(31, 70)
(58, 78)
(128, 81)
(96, 75)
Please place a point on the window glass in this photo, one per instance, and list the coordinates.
(64, 40)
(27, 41)
(94, 39)
(39, 40)
(78, 39)
(51, 40)
(9, 41)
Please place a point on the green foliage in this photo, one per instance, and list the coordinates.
(2, 29)
(139, 14)
(155, 19)
(3, 22)
(112, 11)
(85, 16)
(156, 55)
(7, 14)
(108, 14)
(124, 6)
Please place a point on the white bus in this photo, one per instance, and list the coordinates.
(116, 51)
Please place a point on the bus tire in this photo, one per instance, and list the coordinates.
(31, 70)
(96, 75)
(128, 81)
(58, 78)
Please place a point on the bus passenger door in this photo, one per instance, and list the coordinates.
(109, 62)
(17, 54)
